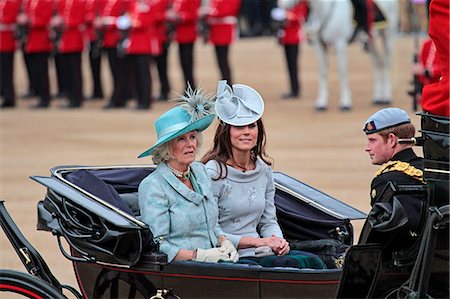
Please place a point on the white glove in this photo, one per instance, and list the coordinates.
(228, 248)
(212, 255)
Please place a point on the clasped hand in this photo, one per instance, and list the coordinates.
(226, 252)
(278, 245)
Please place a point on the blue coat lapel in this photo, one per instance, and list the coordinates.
(179, 187)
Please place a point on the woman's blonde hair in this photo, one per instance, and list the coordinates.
(163, 153)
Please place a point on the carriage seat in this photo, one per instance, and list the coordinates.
(132, 201)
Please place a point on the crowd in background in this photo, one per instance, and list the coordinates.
(133, 36)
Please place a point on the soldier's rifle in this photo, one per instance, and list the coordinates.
(56, 31)
(21, 29)
(97, 44)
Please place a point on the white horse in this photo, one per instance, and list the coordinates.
(330, 24)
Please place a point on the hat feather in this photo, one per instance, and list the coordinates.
(196, 103)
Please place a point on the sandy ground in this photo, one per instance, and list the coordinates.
(325, 150)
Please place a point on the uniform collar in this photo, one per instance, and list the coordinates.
(405, 155)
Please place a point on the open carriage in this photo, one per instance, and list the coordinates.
(114, 254)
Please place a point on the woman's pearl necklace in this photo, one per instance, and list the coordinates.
(183, 175)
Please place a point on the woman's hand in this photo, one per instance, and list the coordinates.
(228, 248)
(278, 245)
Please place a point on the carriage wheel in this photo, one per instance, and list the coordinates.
(27, 285)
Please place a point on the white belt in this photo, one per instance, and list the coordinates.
(7, 27)
(109, 20)
(229, 20)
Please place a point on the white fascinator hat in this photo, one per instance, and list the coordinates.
(239, 105)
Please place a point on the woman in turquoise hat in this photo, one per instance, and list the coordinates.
(242, 182)
(176, 199)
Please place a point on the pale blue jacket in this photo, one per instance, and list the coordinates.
(177, 216)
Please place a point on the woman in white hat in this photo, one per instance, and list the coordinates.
(176, 199)
(242, 181)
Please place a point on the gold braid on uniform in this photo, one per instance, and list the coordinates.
(404, 167)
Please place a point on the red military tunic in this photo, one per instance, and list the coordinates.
(435, 97)
(143, 36)
(161, 28)
(9, 9)
(112, 10)
(186, 12)
(93, 10)
(295, 17)
(39, 13)
(222, 21)
(73, 13)
(430, 63)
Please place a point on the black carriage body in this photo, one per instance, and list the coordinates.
(112, 249)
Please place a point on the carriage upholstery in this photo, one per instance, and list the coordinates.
(89, 182)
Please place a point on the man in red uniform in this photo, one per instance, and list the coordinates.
(37, 15)
(70, 19)
(119, 69)
(290, 36)
(143, 42)
(95, 37)
(9, 10)
(221, 17)
(435, 97)
(184, 14)
(163, 28)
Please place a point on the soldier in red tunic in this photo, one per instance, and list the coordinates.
(112, 37)
(36, 16)
(95, 38)
(163, 28)
(9, 10)
(435, 97)
(143, 42)
(184, 15)
(221, 18)
(290, 36)
(70, 19)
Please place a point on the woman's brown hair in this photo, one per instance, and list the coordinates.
(221, 150)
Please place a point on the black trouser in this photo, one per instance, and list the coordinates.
(26, 60)
(120, 76)
(60, 77)
(140, 64)
(161, 64)
(95, 59)
(6, 77)
(73, 76)
(291, 53)
(39, 76)
(186, 53)
(222, 61)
